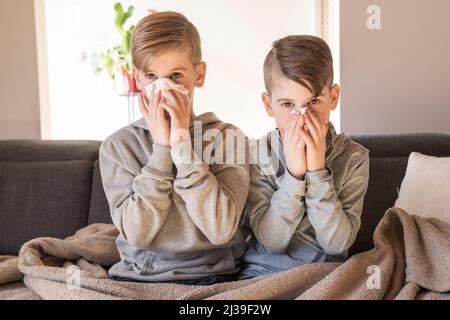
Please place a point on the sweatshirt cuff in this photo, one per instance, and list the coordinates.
(160, 160)
(293, 186)
(184, 157)
(318, 176)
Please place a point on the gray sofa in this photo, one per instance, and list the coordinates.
(53, 188)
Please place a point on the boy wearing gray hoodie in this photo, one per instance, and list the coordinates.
(305, 203)
(175, 201)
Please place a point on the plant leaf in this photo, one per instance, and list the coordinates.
(127, 15)
(127, 42)
(119, 15)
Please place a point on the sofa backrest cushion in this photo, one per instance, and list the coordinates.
(42, 199)
(99, 208)
(388, 161)
(49, 150)
(45, 189)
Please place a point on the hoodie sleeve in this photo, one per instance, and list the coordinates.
(215, 197)
(139, 204)
(336, 218)
(275, 214)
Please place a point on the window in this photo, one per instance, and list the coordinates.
(236, 36)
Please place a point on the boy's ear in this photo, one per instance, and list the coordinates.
(335, 94)
(267, 100)
(200, 74)
(137, 77)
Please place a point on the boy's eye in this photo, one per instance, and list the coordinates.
(314, 102)
(176, 76)
(287, 105)
(151, 76)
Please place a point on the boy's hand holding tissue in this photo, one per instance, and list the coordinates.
(155, 117)
(316, 139)
(172, 106)
(304, 142)
(294, 146)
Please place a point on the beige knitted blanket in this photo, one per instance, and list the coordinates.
(411, 260)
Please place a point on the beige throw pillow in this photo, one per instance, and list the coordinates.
(425, 190)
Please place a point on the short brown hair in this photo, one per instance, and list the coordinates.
(306, 60)
(160, 32)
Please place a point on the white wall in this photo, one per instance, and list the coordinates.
(236, 36)
(396, 79)
(19, 92)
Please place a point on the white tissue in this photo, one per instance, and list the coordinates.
(300, 111)
(164, 85)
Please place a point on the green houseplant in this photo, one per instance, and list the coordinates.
(116, 59)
